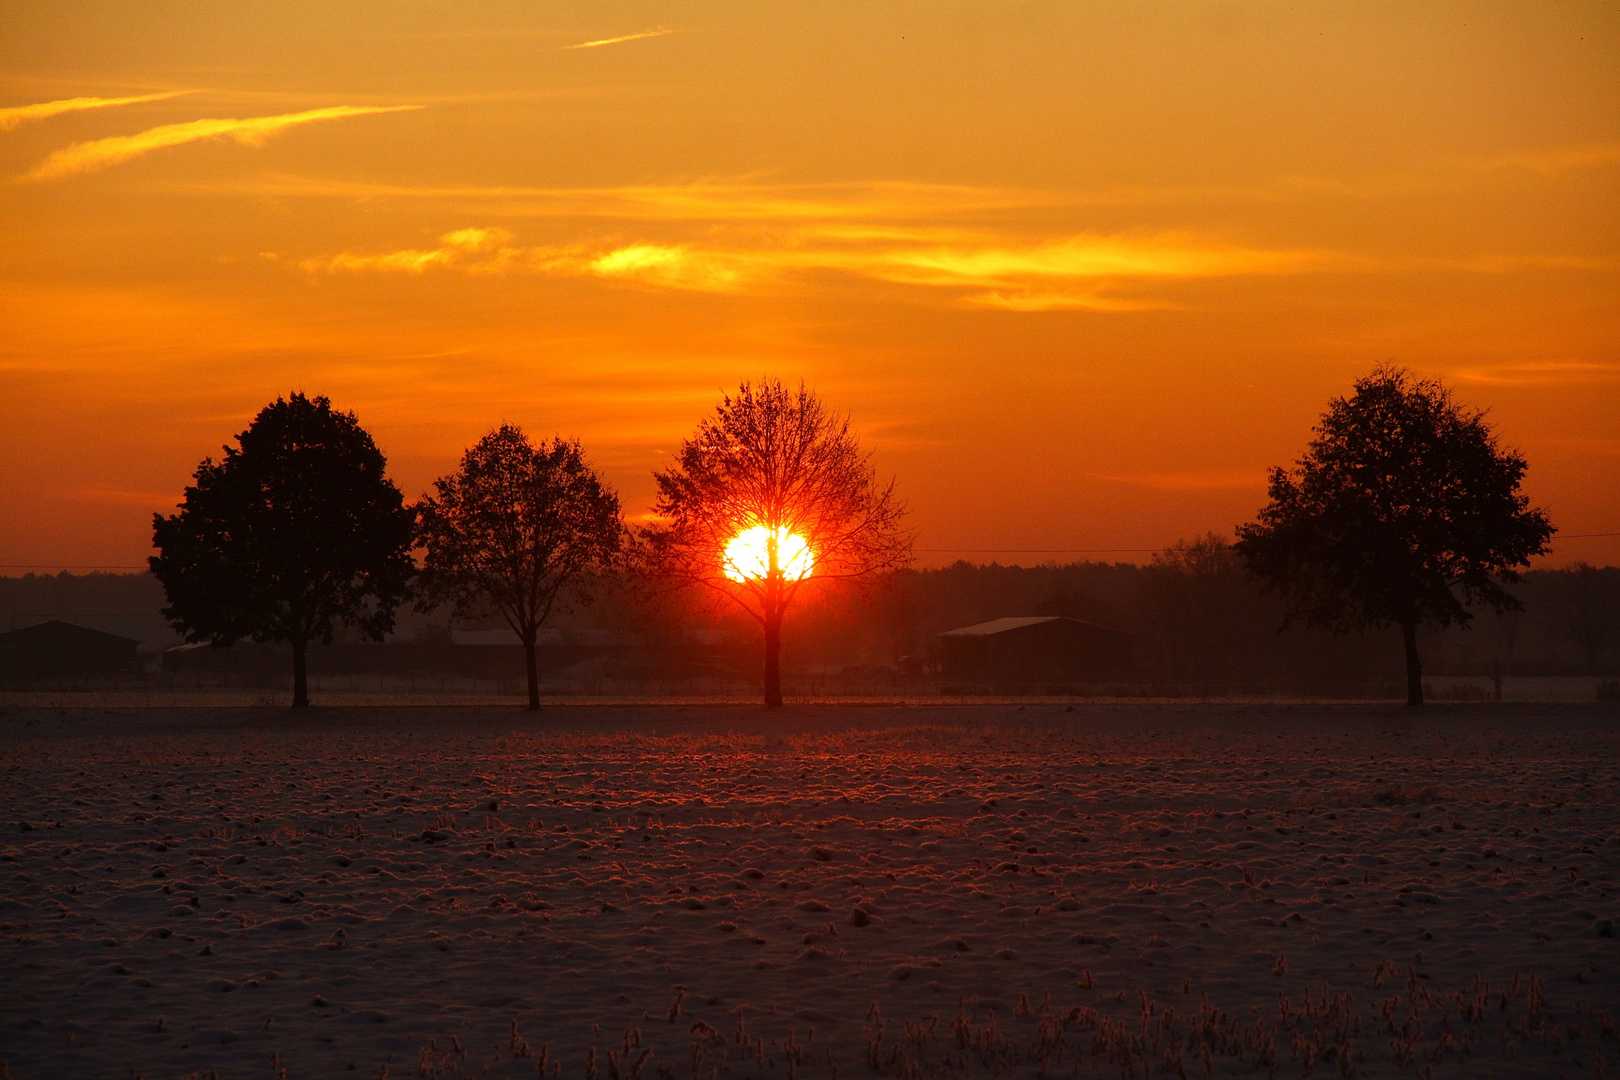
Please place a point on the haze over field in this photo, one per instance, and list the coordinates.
(1082, 272)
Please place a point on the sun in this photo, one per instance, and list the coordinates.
(748, 555)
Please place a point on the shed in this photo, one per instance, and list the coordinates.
(1039, 650)
(54, 649)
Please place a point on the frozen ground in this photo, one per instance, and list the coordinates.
(710, 892)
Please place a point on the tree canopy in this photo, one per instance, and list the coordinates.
(295, 531)
(776, 460)
(1404, 511)
(516, 528)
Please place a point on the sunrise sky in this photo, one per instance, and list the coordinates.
(1081, 271)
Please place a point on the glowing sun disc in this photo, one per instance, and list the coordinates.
(748, 555)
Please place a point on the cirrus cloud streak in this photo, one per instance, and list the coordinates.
(255, 131)
(657, 31)
(21, 114)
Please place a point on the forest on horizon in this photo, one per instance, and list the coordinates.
(1199, 618)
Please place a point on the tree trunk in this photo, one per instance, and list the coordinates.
(773, 660)
(1414, 666)
(300, 647)
(533, 669)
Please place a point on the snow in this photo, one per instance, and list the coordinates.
(616, 892)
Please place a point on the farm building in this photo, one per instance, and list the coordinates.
(1038, 651)
(55, 649)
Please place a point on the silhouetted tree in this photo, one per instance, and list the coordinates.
(775, 461)
(515, 528)
(1586, 605)
(1404, 509)
(295, 531)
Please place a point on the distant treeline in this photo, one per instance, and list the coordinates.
(1198, 617)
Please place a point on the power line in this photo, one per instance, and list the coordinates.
(1032, 551)
(1102, 551)
(68, 566)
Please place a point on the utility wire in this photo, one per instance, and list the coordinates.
(1068, 551)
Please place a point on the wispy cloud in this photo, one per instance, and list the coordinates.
(1549, 160)
(1044, 300)
(102, 153)
(455, 247)
(1191, 481)
(1066, 274)
(120, 497)
(1595, 446)
(1077, 257)
(15, 115)
(21, 114)
(848, 205)
(1507, 264)
(1541, 373)
(657, 31)
(678, 267)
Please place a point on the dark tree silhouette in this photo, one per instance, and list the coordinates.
(1206, 613)
(515, 528)
(1404, 511)
(775, 463)
(1586, 605)
(295, 531)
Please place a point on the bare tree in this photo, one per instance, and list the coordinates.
(1586, 604)
(772, 492)
(515, 528)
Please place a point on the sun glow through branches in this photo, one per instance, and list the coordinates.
(748, 555)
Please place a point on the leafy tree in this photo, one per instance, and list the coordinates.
(1404, 511)
(295, 531)
(775, 464)
(515, 528)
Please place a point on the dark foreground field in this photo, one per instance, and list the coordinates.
(649, 893)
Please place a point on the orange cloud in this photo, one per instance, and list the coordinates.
(1030, 300)
(102, 153)
(1090, 257)
(1551, 159)
(21, 114)
(456, 246)
(674, 267)
(658, 31)
(702, 200)
(1541, 373)
(1191, 481)
(1031, 277)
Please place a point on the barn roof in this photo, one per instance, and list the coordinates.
(57, 631)
(1001, 626)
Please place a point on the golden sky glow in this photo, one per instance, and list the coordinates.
(1080, 271)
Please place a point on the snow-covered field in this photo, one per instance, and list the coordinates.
(710, 892)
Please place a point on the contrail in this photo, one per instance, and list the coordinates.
(101, 153)
(656, 32)
(21, 114)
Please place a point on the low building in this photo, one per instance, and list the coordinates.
(57, 649)
(1041, 651)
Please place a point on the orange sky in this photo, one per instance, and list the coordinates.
(1081, 271)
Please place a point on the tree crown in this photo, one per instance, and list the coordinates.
(516, 526)
(775, 457)
(1405, 507)
(296, 529)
